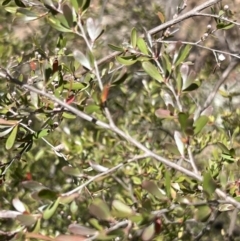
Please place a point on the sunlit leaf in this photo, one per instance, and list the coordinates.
(200, 123)
(37, 226)
(121, 210)
(134, 38)
(152, 188)
(152, 71)
(6, 131)
(50, 210)
(68, 115)
(94, 29)
(18, 205)
(12, 137)
(126, 60)
(183, 53)
(89, 109)
(148, 233)
(182, 118)
(41, 134)
(225, 25)
(178, 140)
(142, 45)
(202, 213)
(55, 23)
(74, 86)
(82, 59)
(115, 48)
(100, 210)
(168, 183)
(68, 198)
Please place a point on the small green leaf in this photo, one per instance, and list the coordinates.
(127, 60)
(223, 148)
(94, 29)
(134, 38)
(121, 210)
(168, 183)
(152, 71)
(182, 118)
(200, 123)
(75, 4)
(116, 48)
(75, 86)
(148, 233)
(209, 185)
(178, 140)
(95, 223)
(91, 108)
(73, 207)
(152, 188)
(68, 115)
(11, 9)
(225, 25)
(41, 134)
(55, 23)
(182, 55)
(69, 198)
(100, 210)
(36, 227)
(50, 210)
(202, 213)
(12, 137)
(142, 45)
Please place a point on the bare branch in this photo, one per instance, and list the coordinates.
(211, 96)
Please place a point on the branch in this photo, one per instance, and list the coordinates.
(115, 129)
(189, 14)
(211, 96)
(192, 13)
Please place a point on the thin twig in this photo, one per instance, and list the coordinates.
(107, 172)
(211, 96)
(189, 14)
